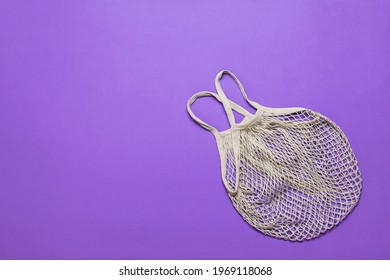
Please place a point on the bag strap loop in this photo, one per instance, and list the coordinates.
(223, 96)
(231, 104)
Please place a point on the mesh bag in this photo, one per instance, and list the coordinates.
(289, 172)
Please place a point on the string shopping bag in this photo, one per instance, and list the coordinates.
(289, 172)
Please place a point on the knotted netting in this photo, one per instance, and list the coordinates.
(290, 173)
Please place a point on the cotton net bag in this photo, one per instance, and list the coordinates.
(289, 172)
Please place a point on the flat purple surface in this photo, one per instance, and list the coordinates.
(100, 160)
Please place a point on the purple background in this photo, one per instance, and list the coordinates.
(100, 160)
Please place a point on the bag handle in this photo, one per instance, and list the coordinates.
(224, 98)
(235, 138)
(212, 129)
(231, 104)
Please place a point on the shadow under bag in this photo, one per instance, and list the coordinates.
(290, 172)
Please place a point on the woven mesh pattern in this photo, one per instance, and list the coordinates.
(298, 176)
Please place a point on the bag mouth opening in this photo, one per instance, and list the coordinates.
(250, 118)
